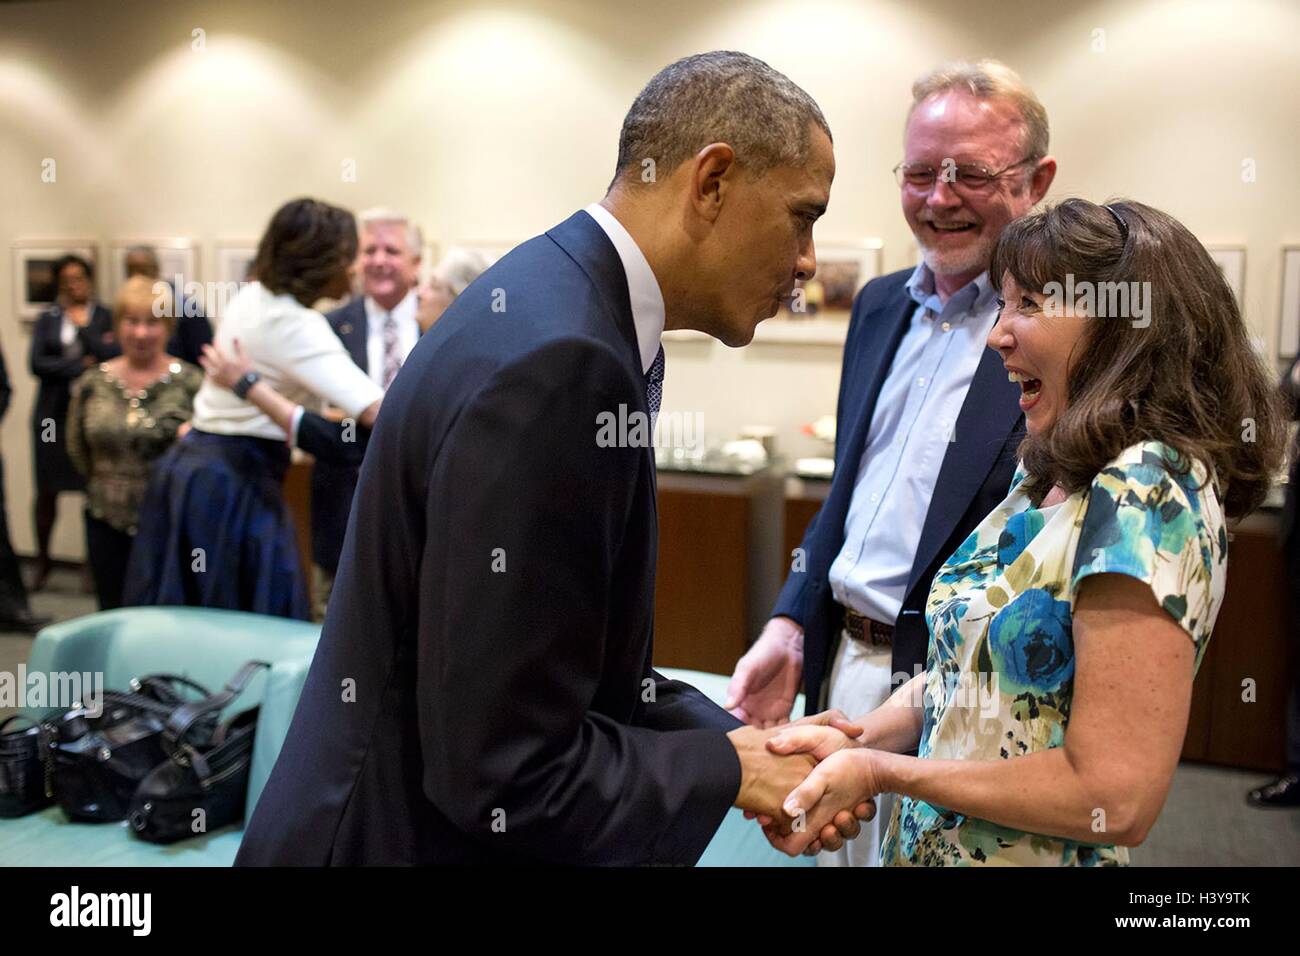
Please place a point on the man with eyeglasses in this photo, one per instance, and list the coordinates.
(927, 423)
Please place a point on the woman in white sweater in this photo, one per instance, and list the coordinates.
(214, 528)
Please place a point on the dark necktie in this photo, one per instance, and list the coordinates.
(654, 385)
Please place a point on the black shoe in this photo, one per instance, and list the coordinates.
(40, 575)
(22, 620)
(1282, 792)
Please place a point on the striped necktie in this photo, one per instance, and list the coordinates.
(392, 357)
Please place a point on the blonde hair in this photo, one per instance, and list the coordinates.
(988, 79)
(154, 294)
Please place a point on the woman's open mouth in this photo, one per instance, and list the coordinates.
(1029, 389)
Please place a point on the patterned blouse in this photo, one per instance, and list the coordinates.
(1000, 669)
(115, 434)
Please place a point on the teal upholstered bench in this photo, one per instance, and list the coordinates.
(208, 646)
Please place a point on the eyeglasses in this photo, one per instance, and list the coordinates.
(971, 177)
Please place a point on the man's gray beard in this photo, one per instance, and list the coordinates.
(977, 260)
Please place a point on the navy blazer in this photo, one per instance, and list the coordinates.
(973, 479)
(334, 482)
(192, 332)
(483, 690)
(57, 373)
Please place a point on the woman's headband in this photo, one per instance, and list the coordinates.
(1123, 226)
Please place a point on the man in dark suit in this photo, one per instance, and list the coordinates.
(379, 329)
(15, 615)
(927, 424)
(483, 689)
(1285, 790)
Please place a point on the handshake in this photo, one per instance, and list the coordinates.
(808, 783)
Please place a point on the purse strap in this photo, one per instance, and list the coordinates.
(163, 684)
(9, 720)
(183, 718)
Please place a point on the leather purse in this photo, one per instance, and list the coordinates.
(22, 771)
(98, 760)
(203, 783)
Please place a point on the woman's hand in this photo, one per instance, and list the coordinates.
(843, 785)
(222, 369)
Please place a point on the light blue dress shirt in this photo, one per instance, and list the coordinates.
(910, 430)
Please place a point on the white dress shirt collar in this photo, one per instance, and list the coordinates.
(970, 298)
(403, 312)
(642, 286)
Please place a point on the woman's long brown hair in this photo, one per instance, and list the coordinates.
(1189, 379)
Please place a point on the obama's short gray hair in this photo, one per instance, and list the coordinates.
(717, 97)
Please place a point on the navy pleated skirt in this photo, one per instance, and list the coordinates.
(215, 532)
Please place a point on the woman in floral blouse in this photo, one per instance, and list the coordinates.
(124, 414)
(1066, 630)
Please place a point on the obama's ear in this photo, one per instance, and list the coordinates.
(712, 171)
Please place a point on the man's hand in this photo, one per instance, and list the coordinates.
(763, 775)
(767, 778)
(763, 688)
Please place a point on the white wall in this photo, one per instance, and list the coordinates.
(494, 121)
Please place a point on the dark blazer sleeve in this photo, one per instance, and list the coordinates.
(1291, 389)
(6, 392)
(45, 358)
(97, 337)
(332, 441)
(513, 662)
(790, 601)
(192, 333)
(679, 706)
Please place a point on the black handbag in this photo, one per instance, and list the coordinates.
(98, 760)
(22, 771)
(203, 784)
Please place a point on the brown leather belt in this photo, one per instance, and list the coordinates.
(866, 631)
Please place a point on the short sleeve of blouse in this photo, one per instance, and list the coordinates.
(1145, 521)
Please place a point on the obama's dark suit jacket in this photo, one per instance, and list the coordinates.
(483, 690)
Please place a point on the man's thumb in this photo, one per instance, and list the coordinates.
(738, 686)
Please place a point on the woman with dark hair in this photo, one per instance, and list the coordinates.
(73, 335)
(214, 529)
(341, 442)
(1066, 630)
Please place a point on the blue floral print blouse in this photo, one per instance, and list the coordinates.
(1000, 667)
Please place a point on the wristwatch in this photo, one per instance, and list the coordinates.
(246, 381)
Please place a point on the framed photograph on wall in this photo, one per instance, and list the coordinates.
(35, 285)
(233, 265)
(1288, 340)
(176, 257)
(429, 254)
(1232, 260)
(234, 260)
(819, 312)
